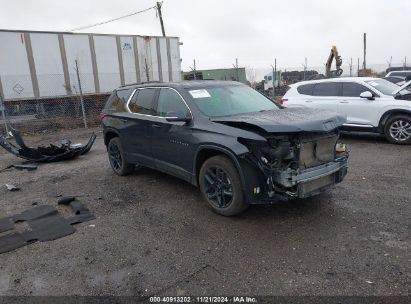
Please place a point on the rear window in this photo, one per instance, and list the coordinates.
(305, 89)
(117, 101)
(142, 101)
(326, 89)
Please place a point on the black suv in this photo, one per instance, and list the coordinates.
(238, 146)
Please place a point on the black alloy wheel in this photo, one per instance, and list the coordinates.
(221, 186)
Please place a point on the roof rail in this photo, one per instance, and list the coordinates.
(142, 82)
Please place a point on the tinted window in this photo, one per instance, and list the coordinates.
(402, 74)
(306, 89)
(326, 89)
(170, 101)
(142, 101)
(352, 89)
(117, 101)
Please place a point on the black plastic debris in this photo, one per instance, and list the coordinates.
(6, 224)
(65, 200)
(35, 213)
(82, 213)
(28, 167)
(25, 167)
(11, 242)
(51, 153)
(45, 222)
(48, 229)
(79, 207)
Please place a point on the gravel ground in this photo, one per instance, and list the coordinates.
(154, 235)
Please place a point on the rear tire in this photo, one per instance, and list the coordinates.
(397, 130)
(221, 186)
(116, 158)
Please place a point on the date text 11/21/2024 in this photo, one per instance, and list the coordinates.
(203, 299)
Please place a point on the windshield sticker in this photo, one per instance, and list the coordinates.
(373, 83)
(199, 93)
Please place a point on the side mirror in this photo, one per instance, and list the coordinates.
(367, 94)
(177, 117)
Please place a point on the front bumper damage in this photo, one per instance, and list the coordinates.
(51, 153)
(293, 167)
(309, 182)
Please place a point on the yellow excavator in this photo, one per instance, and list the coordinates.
(338, 62)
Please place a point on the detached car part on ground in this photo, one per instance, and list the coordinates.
(234, 143)
(49, 153)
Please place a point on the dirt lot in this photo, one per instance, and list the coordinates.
(154, 235)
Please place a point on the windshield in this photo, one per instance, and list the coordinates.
(384, 86)
(230, 100)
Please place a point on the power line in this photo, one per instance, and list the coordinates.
(111, 20)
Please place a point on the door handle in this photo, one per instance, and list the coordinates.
(156, 126)
(308, 101)
(344, 101)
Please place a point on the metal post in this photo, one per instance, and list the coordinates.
(3, 114)
(158, 7)
(365, 52)
(274, 76)
(81, 97)
(236, 66)
(351, 67)
(305, 66)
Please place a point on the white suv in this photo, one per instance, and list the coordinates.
(370, 104)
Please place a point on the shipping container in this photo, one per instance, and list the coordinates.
(43, 64)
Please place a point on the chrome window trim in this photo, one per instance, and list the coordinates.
(134, 92)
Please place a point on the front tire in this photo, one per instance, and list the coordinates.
(116, 158)
(221, 186)
(397, 130)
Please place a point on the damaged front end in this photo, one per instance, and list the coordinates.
(51, 153)
(293, 165)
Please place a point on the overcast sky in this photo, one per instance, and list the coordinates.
(215, 32)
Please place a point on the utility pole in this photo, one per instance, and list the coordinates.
(389, 62)
(358, 67)
(305, 66)
(193, 69)
(350, 64)
(158, 8)
(365, 52)
(83, 110)
(236, 69)
(274, 76)
(405, 63)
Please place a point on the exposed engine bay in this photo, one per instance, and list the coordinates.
(297, 164)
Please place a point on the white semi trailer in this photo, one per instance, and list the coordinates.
(43, 64)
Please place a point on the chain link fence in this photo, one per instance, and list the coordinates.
(60, 107)
(262, 78)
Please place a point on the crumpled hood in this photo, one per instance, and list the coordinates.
(287, 120)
